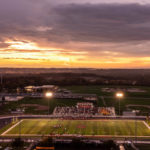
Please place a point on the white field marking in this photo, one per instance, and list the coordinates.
(11, 127)
(146, 125)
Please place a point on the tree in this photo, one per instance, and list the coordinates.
(17, 144)
(46, 142)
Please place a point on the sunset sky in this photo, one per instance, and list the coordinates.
(75, 33)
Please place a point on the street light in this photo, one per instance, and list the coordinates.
(119, 95)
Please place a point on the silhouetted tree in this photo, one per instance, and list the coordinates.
(17, 144)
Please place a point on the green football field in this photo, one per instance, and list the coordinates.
(38, 127)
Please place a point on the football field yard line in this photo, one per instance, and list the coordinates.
(146, 125)
(11, 127)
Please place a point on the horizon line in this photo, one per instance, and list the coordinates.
(73, 68)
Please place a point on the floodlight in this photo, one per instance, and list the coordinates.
(49, 94)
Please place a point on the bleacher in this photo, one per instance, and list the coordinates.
(84, 109)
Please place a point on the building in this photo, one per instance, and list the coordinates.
(86, 97)
(43, 88)
(129, 113)
(85, 105)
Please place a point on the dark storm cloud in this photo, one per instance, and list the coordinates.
(21, 17)
(59, 25)
(113, 22)
(75, 22)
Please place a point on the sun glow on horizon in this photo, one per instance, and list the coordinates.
(23, 51)
(26, 53)
(27, 45)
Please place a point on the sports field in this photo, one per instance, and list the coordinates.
(38, 127)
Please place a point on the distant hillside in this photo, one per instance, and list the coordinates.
(102, 72)
(11, 78)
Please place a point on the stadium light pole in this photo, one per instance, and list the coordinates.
(135, 126)
(48, 95)
(119, 95)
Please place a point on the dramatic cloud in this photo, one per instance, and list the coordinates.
(75, 31)
(97, 23)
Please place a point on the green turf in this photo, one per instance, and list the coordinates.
(83, 127)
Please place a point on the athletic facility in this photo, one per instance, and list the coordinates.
(99, 128)
(84, 110)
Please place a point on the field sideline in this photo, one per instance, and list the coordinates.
(117, 128)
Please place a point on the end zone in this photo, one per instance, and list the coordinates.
(5, 132)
